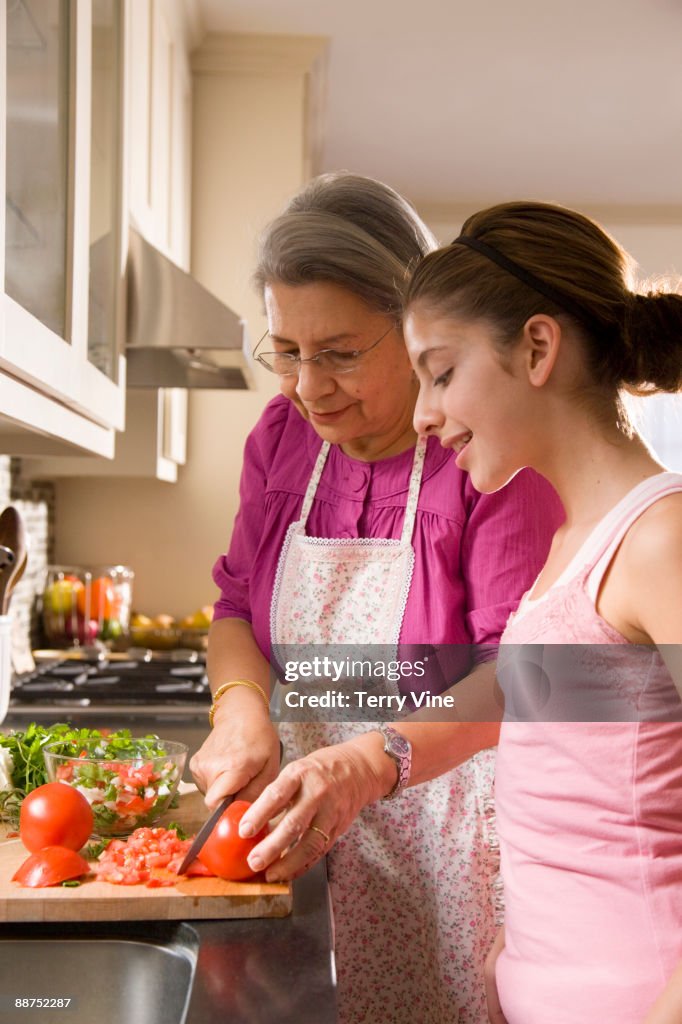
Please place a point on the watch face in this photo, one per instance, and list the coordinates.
(399, 748)
(399, 744)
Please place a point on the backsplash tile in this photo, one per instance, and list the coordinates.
(35, 503)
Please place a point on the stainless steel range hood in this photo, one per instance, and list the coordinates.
(179, 335)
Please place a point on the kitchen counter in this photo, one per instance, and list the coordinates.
(254, 971)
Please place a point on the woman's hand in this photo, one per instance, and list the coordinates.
(322, 795)
(241, 753)
(495, 1015)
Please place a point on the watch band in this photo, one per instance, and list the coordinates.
(400, 749)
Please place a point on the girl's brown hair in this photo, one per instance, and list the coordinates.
(633, 341)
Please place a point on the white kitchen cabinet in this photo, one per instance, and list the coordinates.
(158, 144)
(160, 36)
(132, 160)
(161, 124)
(62, 391)
(152, 446)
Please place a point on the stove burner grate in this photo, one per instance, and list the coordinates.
(138, 681)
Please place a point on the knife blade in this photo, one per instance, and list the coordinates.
(203, 833)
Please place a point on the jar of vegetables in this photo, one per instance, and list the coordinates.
(82, 607)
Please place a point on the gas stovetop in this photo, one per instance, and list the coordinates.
(135, 680)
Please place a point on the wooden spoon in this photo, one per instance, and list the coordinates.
(21, 568)
(12, 536)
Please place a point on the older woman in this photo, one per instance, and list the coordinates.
(334, 465)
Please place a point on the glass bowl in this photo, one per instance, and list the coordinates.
(128, 783)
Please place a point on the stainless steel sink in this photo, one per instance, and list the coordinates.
(133, 973)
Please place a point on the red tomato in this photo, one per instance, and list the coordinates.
(101, 599)
(225, 852)
(55, 815)
(50, 866)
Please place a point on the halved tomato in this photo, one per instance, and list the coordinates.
(50, 866)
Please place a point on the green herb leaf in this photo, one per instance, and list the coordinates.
(93, 850)
(179, 830)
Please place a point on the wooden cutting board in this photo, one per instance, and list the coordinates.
(190, 898)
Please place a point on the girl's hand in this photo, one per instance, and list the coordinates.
(321, 795)
(495, 1015)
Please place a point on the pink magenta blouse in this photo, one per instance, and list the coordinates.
(475, 554)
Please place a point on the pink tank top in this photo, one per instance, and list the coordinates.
(589, 812)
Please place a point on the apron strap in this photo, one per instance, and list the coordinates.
(313, 482)
(413, 491)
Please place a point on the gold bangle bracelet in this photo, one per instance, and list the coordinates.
(228, 686)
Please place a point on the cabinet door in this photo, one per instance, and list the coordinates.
(37, 136)
(174, 436)
(47, 218)
(160, 127)
(105, 299)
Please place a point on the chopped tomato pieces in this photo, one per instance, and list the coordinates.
(137, 775)
(149, 855)
(129, 804)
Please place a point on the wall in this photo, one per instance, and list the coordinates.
(657, 247)
(249, 155)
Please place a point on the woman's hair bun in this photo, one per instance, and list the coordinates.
(652, 341)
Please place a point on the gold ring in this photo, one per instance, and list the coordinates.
(314, 828)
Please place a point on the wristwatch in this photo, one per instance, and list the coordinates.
(400, 749)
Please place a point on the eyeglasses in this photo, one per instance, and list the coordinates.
(329, 360)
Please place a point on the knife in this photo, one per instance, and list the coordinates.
(203, 833)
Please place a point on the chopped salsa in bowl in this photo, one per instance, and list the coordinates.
(128, 782)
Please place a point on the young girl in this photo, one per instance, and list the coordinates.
(524, 333)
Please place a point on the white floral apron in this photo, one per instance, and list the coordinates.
(413, 881)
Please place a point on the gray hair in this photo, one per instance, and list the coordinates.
(347, 230)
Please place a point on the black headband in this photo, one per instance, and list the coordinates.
(528, 278)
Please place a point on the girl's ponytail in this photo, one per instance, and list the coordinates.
(652, 342)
